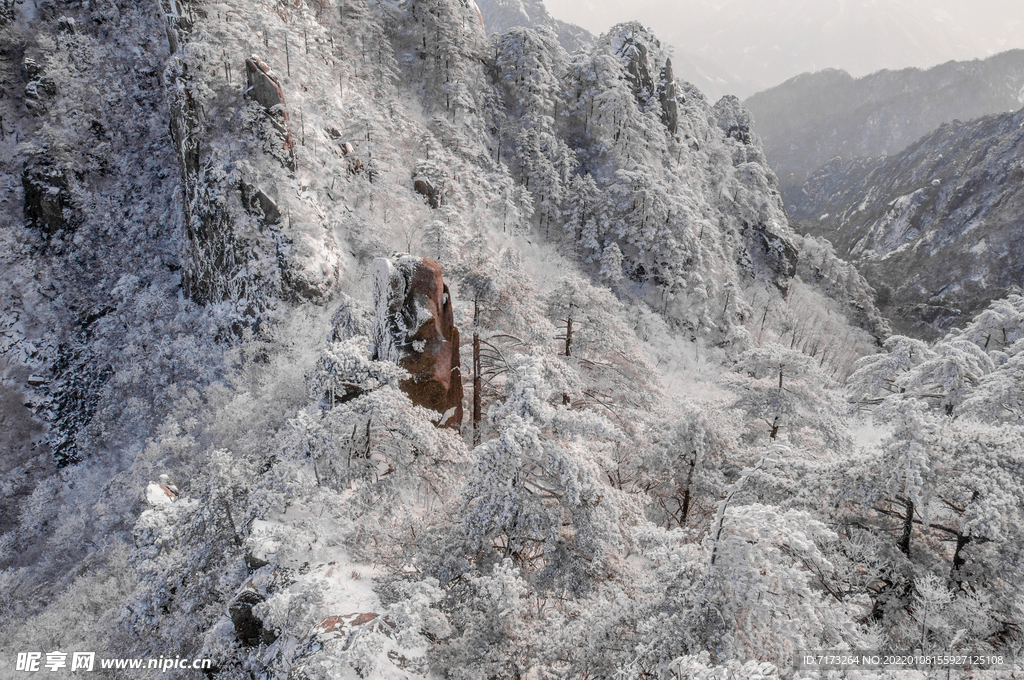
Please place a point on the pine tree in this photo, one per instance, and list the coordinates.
(535, 494)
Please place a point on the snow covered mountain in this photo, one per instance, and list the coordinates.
(935, 228)
(501, 15)
(340, 340)
(766, 42)
(812, 118)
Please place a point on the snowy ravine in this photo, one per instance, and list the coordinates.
(690, 445)
(935, 228)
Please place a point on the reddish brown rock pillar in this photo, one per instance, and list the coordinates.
(414, 327)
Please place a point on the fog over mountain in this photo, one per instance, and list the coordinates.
(758, 44)
(812, 118)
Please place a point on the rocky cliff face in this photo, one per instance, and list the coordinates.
(414, 327)
(815, 117)
(768, 242)
(229, 201)
(936, 228)
(88, 221)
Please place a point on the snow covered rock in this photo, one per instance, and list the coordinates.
(263, 85)
(414, 327)
(734, 120)
(158, 494)
(638, 67)
(260, 205)
(428, 191)
(249, 628)
(46, 196)
(334, 626)
(667, 95)
(265, 89)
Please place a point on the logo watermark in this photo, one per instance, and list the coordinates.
(34, 662)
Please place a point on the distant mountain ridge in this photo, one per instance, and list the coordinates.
(766, 42)
(501, 15)
(815, 117)
(936, 229)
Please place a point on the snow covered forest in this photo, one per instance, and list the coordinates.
(340, 339)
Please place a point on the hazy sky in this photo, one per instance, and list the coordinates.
(746, 45)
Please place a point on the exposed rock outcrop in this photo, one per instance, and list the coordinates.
(342, 625)
(428, 191)
(776, 251)
(638, 58)
(46, 196)
(260, 205)
(265, 89)
(667, 95)
(638, 67)
(414, 327)
(249, 628)
(263, 85)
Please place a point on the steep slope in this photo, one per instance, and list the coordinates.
(194, 298)
(501, 15)
(812, 118)
(936, 228)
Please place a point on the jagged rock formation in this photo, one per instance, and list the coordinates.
(814, 117)
(667, 97)
(769, 246)
(501, 15)
(424, 188)
(936, 228)
(414, 327)
(249, 628)
(638, 68)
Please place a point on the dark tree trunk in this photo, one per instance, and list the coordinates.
(686, 494)
(958, 559)
(568, 346)
(908, 527)
(477, 381)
